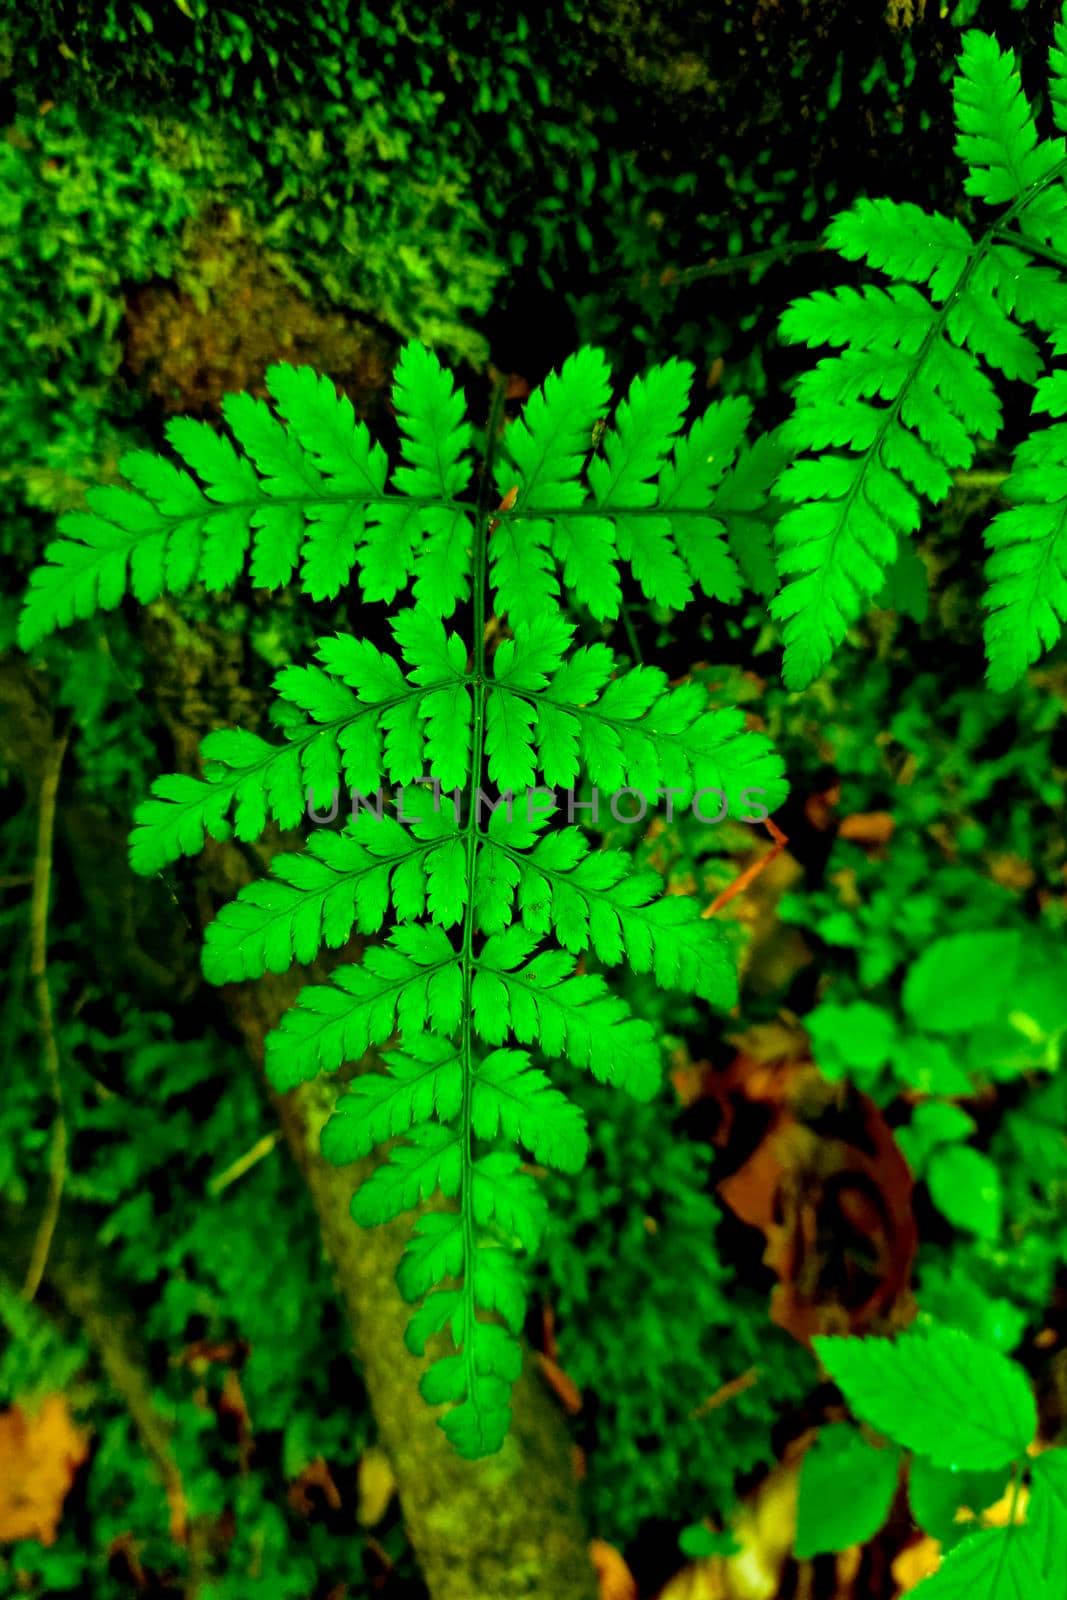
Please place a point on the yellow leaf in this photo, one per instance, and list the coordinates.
(377, 1485)
(39, 1456)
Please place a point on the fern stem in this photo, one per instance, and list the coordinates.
(479, 562)
(725, 266)
(631, 634)
(1033, 247)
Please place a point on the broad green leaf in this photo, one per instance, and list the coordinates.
(846, 1490)
(938, 1392)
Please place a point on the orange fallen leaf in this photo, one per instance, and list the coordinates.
(614, 1577)
(40, 1454)
(867, 827)
(562, 1385)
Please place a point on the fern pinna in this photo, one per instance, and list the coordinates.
(480, 917)
(883, 425)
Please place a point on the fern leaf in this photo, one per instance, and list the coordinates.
(516, 1100)
(339, 885)
(744, 505)
(545, 448)
(361, 720)
(504, 1196)
(1027, 567)
(592, 899)
(1057, 84)
(904, 241)
(909, 397)
(543, 1002)
(634, 451)
(545, 451)
(435, 467)
(352, 468)
(429, 1160)
(997, 137)
(411, 981)
(637, 732)
(509, 742)
(424, 1081)
(306, 486)
(297, 486)
(687, 482)
(123, 541)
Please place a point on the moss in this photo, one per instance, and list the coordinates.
(229, 313)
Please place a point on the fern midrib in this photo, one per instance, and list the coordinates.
(933, 334)
(470, 829)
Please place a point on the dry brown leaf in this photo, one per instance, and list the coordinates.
(804, 1188)
(40, 1454)
(616, 1581)
(316, 1475)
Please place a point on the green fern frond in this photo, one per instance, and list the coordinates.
(882, 426)
(465, 939)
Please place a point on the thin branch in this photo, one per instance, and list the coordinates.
(979, 479)
(724, 267)
(751, 873)
(237, 1169)
(42, 883)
